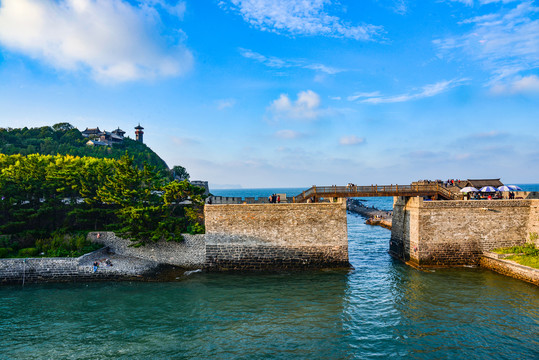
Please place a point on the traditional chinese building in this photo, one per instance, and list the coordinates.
(103, 138)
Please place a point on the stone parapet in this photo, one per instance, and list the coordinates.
(442, 233)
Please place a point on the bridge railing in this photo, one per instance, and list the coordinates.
(373, 190)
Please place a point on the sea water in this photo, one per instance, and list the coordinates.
(380, 309)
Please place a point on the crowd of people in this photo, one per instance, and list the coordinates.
(274, 199)
(488, 196)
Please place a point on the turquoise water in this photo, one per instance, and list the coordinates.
(381, 309)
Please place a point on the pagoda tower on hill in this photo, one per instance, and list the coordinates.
(139, 133)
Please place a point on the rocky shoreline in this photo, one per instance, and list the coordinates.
(374, 216)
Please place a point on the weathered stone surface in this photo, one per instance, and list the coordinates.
(239, 237)
(509, 268)
(264, 257)
(457, 232)
(33, 270)
(276, 236)
(190, 253)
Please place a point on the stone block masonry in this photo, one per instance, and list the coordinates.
(36, 270)
(509, 268)
(444, 233)
(252, 237)
(189, 254)
(276, 236)
(238, 237)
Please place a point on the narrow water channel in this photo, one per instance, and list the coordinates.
(381, 309)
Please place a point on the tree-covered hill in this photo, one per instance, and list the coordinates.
(64, 139)
(45, 199)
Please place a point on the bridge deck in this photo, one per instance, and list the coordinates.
(317, 192)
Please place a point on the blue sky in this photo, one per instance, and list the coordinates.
(289, 93)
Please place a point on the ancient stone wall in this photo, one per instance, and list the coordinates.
(457, 232)
(239, 237)
(34, 270)
(533, 222)
(190, 253)
(276, 236)
(509, 268)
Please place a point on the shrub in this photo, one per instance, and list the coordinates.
(28, 252)
(526, 249)
(195, 228)
(65, 245)
(4, 252)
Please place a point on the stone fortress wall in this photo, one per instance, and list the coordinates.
(25, 271)
(238, 237)
(302, 236)
(189, 254)
(253, 237)
(283, 236)
(434, 233)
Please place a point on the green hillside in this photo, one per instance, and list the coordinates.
(64, 139)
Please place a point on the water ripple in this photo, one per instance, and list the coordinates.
(381, 309)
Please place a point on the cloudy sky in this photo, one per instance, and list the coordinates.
(287, 93)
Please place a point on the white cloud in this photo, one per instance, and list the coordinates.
(184, 141)
(506, 43)
(113, 40)
(481, 2)
(323, 68)
(464, 156)
(487, 135)
(426, 91)
(288, 134)
(400, 7)
(271, 61)
(306, 107)
(275, 62)
(466, 2)
(298, 17)
(363, 95)
(351, 140)
(177, 9)
(520, 85)
(225, 103)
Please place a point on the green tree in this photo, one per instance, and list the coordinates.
(63, 127)
(42, 195)
(134, 192)
(180, 172)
